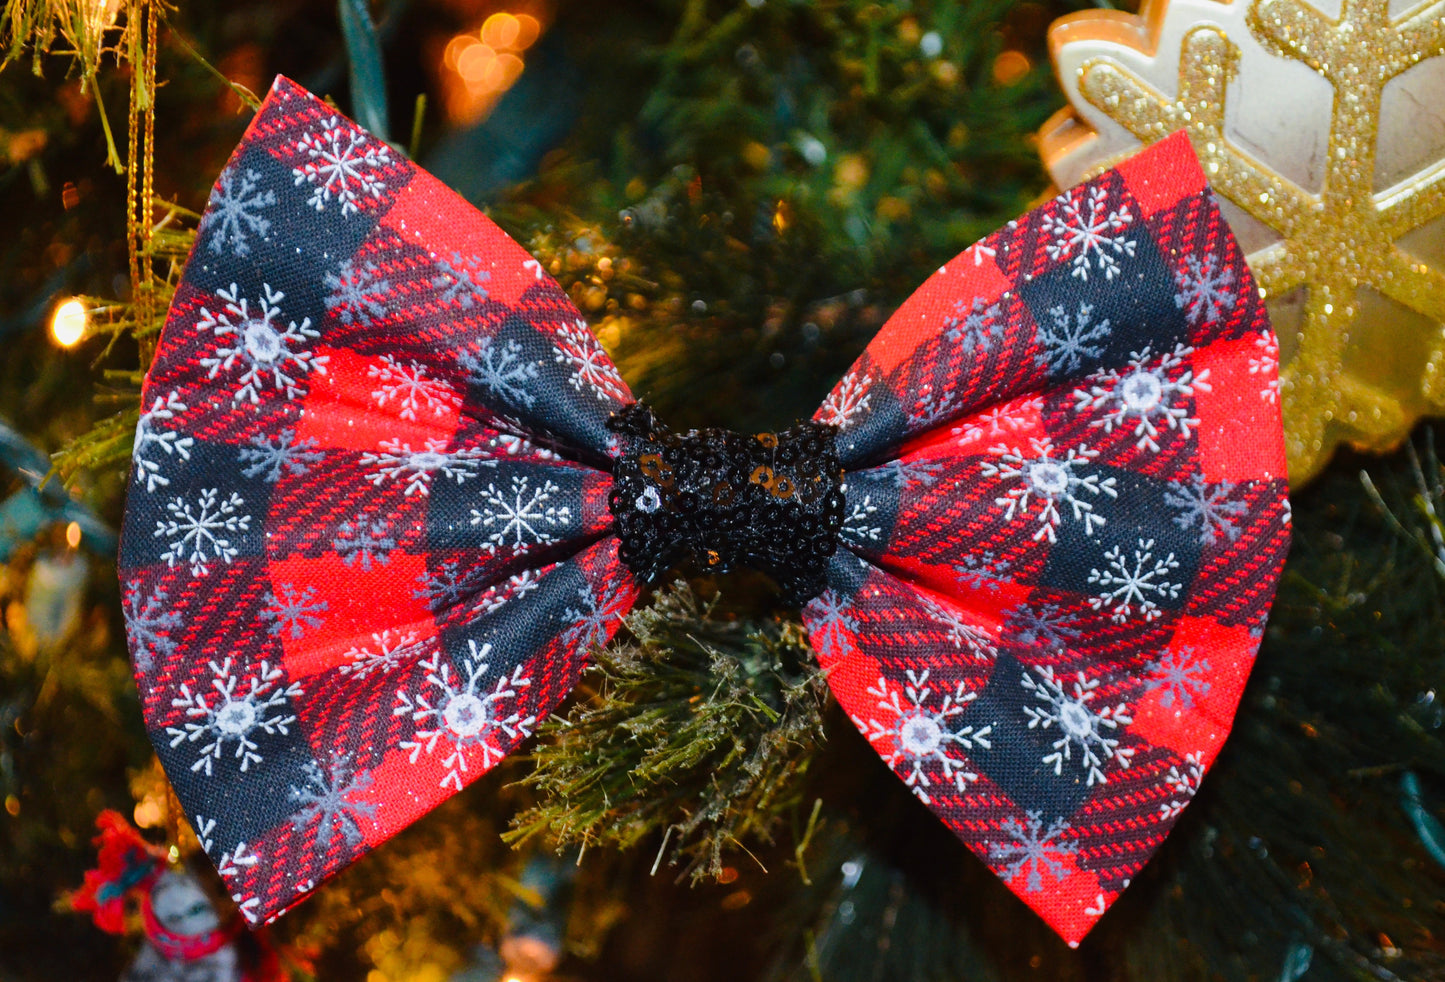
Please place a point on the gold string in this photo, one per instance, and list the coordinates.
(140, 172)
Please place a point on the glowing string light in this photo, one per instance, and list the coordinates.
(67, 324)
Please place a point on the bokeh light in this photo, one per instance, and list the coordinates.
(479, 65)
(67, 324)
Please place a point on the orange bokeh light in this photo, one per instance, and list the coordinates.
(485, 62)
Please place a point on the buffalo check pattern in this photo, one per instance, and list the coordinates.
(367, 544)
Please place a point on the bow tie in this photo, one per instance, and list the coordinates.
(388, 491)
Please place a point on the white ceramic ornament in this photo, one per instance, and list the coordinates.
(1322, 128)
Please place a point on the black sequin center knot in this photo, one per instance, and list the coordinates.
(771, 501)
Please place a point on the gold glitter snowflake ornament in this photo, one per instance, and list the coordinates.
(1323, 129)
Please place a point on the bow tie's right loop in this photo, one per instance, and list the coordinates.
(770, 501)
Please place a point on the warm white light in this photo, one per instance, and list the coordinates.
(67, 324)
(72, 535)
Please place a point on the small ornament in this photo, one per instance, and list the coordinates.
(187, 939)
(1312, 124)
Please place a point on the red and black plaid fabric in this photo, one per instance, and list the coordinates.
(368, 546)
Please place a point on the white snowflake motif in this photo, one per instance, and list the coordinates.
(848, 398)
(202, 533)
(247, 905)
(1203, 290)
(523, 514)
(149, 436)
(291, 611)
(148, 625)
(233, 212)
(357, 293)
(1266, 365)
(1205, 506)
(326, 798)
(420, 467)
(411, 390)
(236, 713)
(978, 250)
(1132, 586)
(511, 445)
(389, 655)
(1065, 339)
(1089, 227)
(284, 453)
(592, 371)
(465, 715)
(232, 865)
(1032, 850)
(518, 585)
(831, 621)
(914, 472)
(461, 280)
(976, 325)
(982, 571)
(857, 524)
(1180, 676)
(1047, 481)
(1145, 396)
(205, 829)
(960, 632)
(1008, 417)
(1048, 627)
(1080, 726)
(917, 737)
(448, 586)
(1183, 782)
(499, 369)
(264, 349)
(363, 541)
(233, 861)
(589, 623)
(340, 166)
(932, 406)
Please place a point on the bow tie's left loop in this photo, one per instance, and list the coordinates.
(365, 545)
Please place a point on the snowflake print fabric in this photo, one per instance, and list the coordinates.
(364, 552)
(370, 539)
(1101, 505)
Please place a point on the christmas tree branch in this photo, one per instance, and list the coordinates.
(696, 730)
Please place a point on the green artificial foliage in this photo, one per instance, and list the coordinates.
(698, 726)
